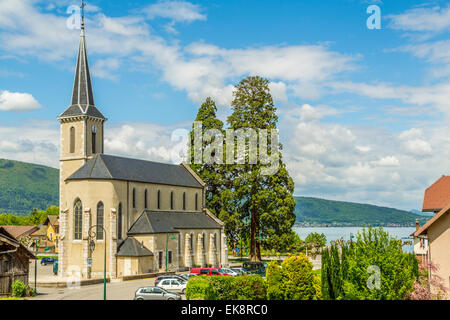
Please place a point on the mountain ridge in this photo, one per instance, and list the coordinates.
(322, 212)
(25, 186)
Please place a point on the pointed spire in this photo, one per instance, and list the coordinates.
(82, 88)
(82, 95)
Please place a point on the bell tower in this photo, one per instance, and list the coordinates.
(81, 123)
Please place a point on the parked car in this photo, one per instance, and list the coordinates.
(241, 271)
(208, 272)
(255, 268)
(168, 276)
(155, 293)
(229, 272)
(187, 276)
(173, 285)
(48, 260)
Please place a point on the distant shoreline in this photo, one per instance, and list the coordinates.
(303, 225)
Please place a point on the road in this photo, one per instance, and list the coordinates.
(114, 291)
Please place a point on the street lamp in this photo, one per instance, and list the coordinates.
(92, 235)
(36, 243)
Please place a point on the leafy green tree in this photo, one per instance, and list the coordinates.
(265, 202)
(375, 249)
(36, 217)
(316, 240)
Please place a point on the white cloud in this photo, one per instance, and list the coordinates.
(389, 161)
(435, 19)
(105, 68)
(437, 96)
(146, 141)
(17, 101)
(179, 11)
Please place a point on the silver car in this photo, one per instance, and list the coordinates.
(155, 293)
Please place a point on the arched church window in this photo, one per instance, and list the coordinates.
(204, 241)
(215, 240)
(134, 197)
(196, 201)
(94, 130)
(184, 200)
(72, 140)
(119, 222)
(159, 199)
(78, 219)
(191, 243)
(145, 199)
(171, 200)
(100, 221)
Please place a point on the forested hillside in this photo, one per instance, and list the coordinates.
(327, 212)
(26, 186)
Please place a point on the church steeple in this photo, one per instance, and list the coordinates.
(82, 88)
(82, 124)
(82, 102)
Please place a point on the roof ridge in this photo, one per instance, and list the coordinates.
(100, 155)
(134, 245)
(93, 166)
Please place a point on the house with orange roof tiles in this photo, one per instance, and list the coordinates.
(432, 240)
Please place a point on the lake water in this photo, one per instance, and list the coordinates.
(334, 233)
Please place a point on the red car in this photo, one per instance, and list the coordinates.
(208, 272)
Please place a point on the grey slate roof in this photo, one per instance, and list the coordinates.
(107, 167)
(82, 95)
(130, 247)
(161, 222)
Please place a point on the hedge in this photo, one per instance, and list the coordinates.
(200, 288)
(246, 287)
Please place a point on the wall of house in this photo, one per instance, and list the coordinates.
(439, 236)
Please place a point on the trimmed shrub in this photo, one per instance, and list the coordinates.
(293, 280)
(223, 286)
(200, 288)
(249, 287)
(19, 289)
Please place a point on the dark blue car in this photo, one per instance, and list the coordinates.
(48, 260)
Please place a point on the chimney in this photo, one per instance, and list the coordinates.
(417, 225)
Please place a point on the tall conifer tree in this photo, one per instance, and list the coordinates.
(219, 194)
(265, 201)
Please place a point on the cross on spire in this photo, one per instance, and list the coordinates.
(83, 4)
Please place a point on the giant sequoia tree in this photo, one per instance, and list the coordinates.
(252, 202)
(265, 200)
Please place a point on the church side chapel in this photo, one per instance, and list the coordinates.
(148, 216)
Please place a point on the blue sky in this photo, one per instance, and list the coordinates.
(363, 113)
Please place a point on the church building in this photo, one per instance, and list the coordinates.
(149, 216)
